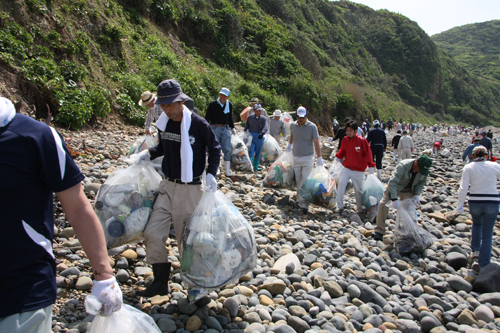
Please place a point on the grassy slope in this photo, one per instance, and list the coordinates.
(87, 58)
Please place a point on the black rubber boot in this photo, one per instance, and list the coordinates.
(159, 286)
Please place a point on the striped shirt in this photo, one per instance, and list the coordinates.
(480, 179)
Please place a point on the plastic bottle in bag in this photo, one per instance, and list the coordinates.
(125, 201)
(240, 159)
(373, 191)
(218, 246)
(280, 173)
(320, 188)
(271, 150)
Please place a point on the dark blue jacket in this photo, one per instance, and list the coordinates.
(376, 137)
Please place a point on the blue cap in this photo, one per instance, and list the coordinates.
(225, 92)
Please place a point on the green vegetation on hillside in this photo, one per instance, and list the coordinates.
(475, 46)
(85, 58)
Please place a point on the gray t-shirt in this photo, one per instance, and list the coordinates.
(277, 127)
(303, 138)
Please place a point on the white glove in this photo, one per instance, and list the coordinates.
(233, 131)
(416, 199)
(319, 161)
(211, 183)
(395, 204)
(460, 209)
(143, 155)
(289, 147)
(371, 171)
(109, 294)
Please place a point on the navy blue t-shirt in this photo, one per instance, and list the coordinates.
(34, 163)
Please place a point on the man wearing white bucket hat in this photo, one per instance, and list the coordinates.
(277, 126)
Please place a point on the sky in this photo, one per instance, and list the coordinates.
(435, 16)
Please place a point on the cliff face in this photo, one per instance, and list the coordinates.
(83, 59)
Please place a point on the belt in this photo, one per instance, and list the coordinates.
(220, 125)
(196, 181)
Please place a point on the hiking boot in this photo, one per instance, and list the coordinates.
(161, 273)
(377, 235)
(475, 267)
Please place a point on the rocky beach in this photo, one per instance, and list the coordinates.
(317, 272)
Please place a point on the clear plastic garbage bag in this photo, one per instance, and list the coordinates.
(127, 320)
(280, 173)
(142, 143)
(125, 202)
(409, 237)
(445, 152)
(335, 169)
(320, 188)
(288, 120)
(246, 137)
(240, 159)
(271, 150)
(218, 246)
(373, 191)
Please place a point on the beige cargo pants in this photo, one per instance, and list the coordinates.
(175, 203)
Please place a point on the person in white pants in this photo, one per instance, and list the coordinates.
(305, 139)
(405, 146)
(358, 155)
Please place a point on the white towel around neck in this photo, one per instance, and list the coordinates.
(186, 149)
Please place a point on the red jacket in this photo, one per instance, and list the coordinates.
(357, 153)
(437, 144)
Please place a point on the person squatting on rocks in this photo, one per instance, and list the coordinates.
(378, 144)
(468, 151)
(358, 155)
(408, 180)
(185, 138)
(395, 143)
(479, 178)
(35, 163)
(304, 137)
(257, 126)
(220, 116)
(405, 146)
(438, 144)
(486, 142)
(277, 126)
(341, 133)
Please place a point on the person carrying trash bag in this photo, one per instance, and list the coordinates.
(257, 126)
(304, 137)
(220, 116)
(378, 144)
(407, 181)
(35, 163)
(358, 156)
(185, 138)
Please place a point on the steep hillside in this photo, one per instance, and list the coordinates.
(475, 46)
(83, 59)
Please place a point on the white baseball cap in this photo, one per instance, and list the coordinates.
(277, 113)
(301, 112)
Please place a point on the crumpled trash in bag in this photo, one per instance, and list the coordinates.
(409, 237)
(240, 159)
(127, 320)
(320, 188)
(335, 169)
(247, 138)
(218, 246)
(373, 191)
(125, 201)
(271, 150)
(445, 152)
(288, 120)
(280, 173)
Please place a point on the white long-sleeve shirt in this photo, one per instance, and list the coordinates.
(405, 142)
(482, 178)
